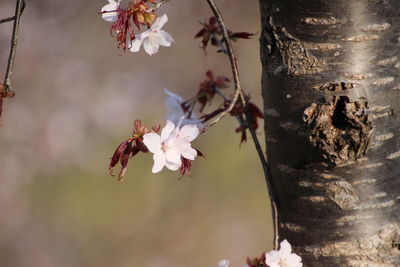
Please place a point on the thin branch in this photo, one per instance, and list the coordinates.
(232, 59)
(239, 93)
(7, 19)
(157, 6)
(14, 40)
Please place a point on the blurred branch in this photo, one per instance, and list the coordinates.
(157, 6)
(7, 19)
(20, 6)
(239, 93)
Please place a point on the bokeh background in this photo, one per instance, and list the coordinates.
(77, 98)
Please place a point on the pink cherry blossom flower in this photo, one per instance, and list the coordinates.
(177, 108)
(283, 257)
(153, 37)
(173, 145)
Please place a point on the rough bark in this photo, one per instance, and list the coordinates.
(331, 90)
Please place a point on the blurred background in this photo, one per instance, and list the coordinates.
(77, 98)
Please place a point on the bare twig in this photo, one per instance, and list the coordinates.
(14, 40)
(239, 93)
(157, 6)
(7, 19)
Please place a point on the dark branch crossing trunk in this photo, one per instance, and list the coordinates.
(331, 89)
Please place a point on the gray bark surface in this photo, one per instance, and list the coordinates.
(331, 90)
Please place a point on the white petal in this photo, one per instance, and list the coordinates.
(285, 248)
(173, 95)
(175, 116)
(193, 121)
(295, 260)
(159, 23)
(136, 44)
(173, 102)
(173, 156)
(224, 263)
(152, 142)
(189, 133)
(189, 153)
(164, 38)
(167, 130)
(111, 16)
(272, 258)
(150, 46)
(159, 161)
(172, 166)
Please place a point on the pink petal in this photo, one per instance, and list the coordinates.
(189, 153)
(172, 166)
(285, 248)
(159, 23)
(272, 258)
(189, 133)
(174, 156)
(164, 38)
(136, 44)
(150, 46)
(174, 96)
(167, 130)
(159, 161)
(152, 142)
(110, 16)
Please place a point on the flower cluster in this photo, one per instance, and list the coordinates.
(136, 13)
(171, 149)
(212, 33)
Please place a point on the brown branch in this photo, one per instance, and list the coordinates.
(14, 40)
(239, 93)
(157, 6)
(7, 19)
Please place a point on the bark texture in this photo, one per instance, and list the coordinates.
(331, 90)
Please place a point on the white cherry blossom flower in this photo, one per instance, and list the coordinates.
(173, 144)
(224, 263)
(109, 11)
(153, 37)
(283, 257)
(175, 111)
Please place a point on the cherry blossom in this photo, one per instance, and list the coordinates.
(173, 145)
(153, 37)
(224, 263)
(178, 108)
(123, 19)
(283, 257)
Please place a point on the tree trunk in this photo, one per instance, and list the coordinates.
(331, 94)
